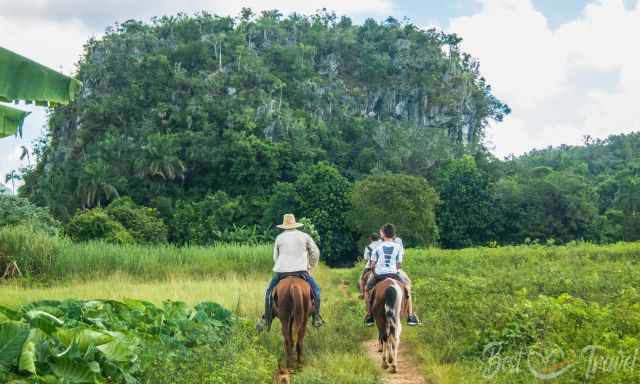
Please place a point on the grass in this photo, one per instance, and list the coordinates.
(526, 298)
(333, 352)
(536, 302)
(40, 255)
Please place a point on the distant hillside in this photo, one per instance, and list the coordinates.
(186, 106)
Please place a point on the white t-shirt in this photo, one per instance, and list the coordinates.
(386, 257)
(368, 250)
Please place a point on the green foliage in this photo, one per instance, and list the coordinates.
(538, 299)
(310, 229)
(465, 209)
(204, 221)
(185, 107)
(96, 224)
(102, 341)
(324, 193)
(407, 201)
(141, 222)
(43, 256)
(20, 211)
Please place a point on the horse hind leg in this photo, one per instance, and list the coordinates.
(288, 343)
(300, 344)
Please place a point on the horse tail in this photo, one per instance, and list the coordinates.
(391, 310)
(297, 313)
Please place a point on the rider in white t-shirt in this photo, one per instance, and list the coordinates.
(386, 262)
(374, 242)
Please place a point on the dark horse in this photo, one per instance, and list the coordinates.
(293, 308)
(387, 309)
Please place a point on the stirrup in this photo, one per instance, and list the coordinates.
(317, 321)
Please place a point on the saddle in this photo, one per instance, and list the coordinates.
(381, 278)
(286, 275)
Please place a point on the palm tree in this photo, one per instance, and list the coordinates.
(12, 177)
(94, 187)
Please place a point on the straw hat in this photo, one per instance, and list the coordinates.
(289, 222)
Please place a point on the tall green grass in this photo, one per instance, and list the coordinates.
(543, 299)
(41, 255)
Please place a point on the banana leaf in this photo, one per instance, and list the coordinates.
(11, 121)
(24, 79)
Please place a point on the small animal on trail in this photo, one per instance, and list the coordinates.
(282, 376)
(293, 308)
(387, 310)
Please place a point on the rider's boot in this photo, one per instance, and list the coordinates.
(368, 320)
(316, 318)
(265, 322)
(412, 320)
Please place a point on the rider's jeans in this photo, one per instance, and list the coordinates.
(312, 282)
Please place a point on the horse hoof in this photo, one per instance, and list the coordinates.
(385, 365)
(394, 369)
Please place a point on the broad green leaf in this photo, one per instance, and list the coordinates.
(27, 357)
(122, 348)
(72, 371)
(12, 337)
(9, 313)
(43, 320)
(83, 337)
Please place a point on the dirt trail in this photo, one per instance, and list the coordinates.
(408, 372)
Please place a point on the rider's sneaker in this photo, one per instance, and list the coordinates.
(413, 320)
(317, 321)
(369, 321)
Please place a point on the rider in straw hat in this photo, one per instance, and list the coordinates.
(294, 253)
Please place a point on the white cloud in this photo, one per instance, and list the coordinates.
(98, 16)
(579, 79)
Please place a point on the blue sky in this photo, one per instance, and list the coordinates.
(566, 67)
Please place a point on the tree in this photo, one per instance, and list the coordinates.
(12, 177)
(16, 210)
(324, 194)
(464, 214)
(407, 201)
(96, 224)
(187, 106)
(143, 223)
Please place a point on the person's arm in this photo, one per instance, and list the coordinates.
(373, 260)
(400, 258)
(314, 253)
(275, 251)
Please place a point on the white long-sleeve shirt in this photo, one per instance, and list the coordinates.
(294, 251)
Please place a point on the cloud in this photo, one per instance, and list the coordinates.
(96, 16)
(578, 79)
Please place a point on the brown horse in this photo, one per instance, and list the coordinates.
(387, 309)
(293, 307)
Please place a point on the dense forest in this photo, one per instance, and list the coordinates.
(198, 129)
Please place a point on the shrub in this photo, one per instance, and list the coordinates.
(324, 194)
(407, 201)
(96, 224)
(17, 210)
(143, 223)
(204, 222)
